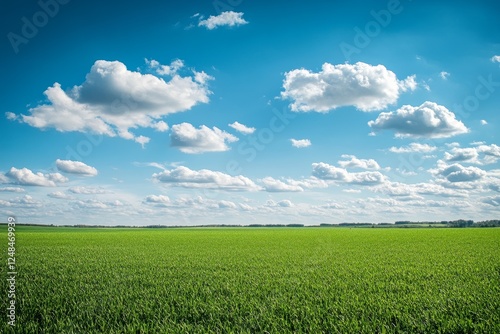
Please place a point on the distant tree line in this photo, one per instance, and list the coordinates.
(453, 223)
(461, 223)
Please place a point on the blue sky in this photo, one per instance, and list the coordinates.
(244, 112)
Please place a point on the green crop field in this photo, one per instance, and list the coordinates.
(244, 280)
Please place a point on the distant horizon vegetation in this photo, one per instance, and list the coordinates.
(460, 223)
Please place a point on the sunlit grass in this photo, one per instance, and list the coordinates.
(310, 280)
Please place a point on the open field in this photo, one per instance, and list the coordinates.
(222, 280)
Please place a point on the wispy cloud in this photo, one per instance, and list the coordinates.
(229, 19)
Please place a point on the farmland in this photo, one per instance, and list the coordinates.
(279, 280)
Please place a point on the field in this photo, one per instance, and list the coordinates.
(244, 280)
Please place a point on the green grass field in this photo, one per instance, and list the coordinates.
(244, 280)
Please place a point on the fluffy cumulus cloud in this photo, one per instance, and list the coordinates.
(491, 152)
(354, 162)
(25, 176)
(160, 69)
(428, 120)
(480, 154)
(325, 171)
(204, 178)
(228, 18)
(280, 204)
(272, 185)
(413, 148)
(495, 59)
(26, 201)
(242, 128)
(300, 143)
(112, 100)
(457, 173)
(188, 139)
(364, 86)
(157, 200)
(462, 154)
(75, 167)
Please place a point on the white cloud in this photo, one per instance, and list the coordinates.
(325, 171)
(273, 185)
(454, 144)
(59, 195)
(283, 203)
(228, 18)
(10, 116)
(484, 122)
(495, 59)
(300, 143)
(364, 86)
(158, 200)
(242, 128)
(308, 183)
(12, 189)
(462, 154)
(444, 75)
(480, 154)
(160, 126)
(160, 69)
(75, 167)
(413, 147)
(87, 190)
(354, 162)
(399, 189)
(91, 204)
(458, 173)
(227, 205)
(113, 100)
(428, 120)
(25, 176)
(26, 202)
(351, 191)
(142, 140)
(408, 84)
(490, 150)
(191, 140)
(204, 178)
